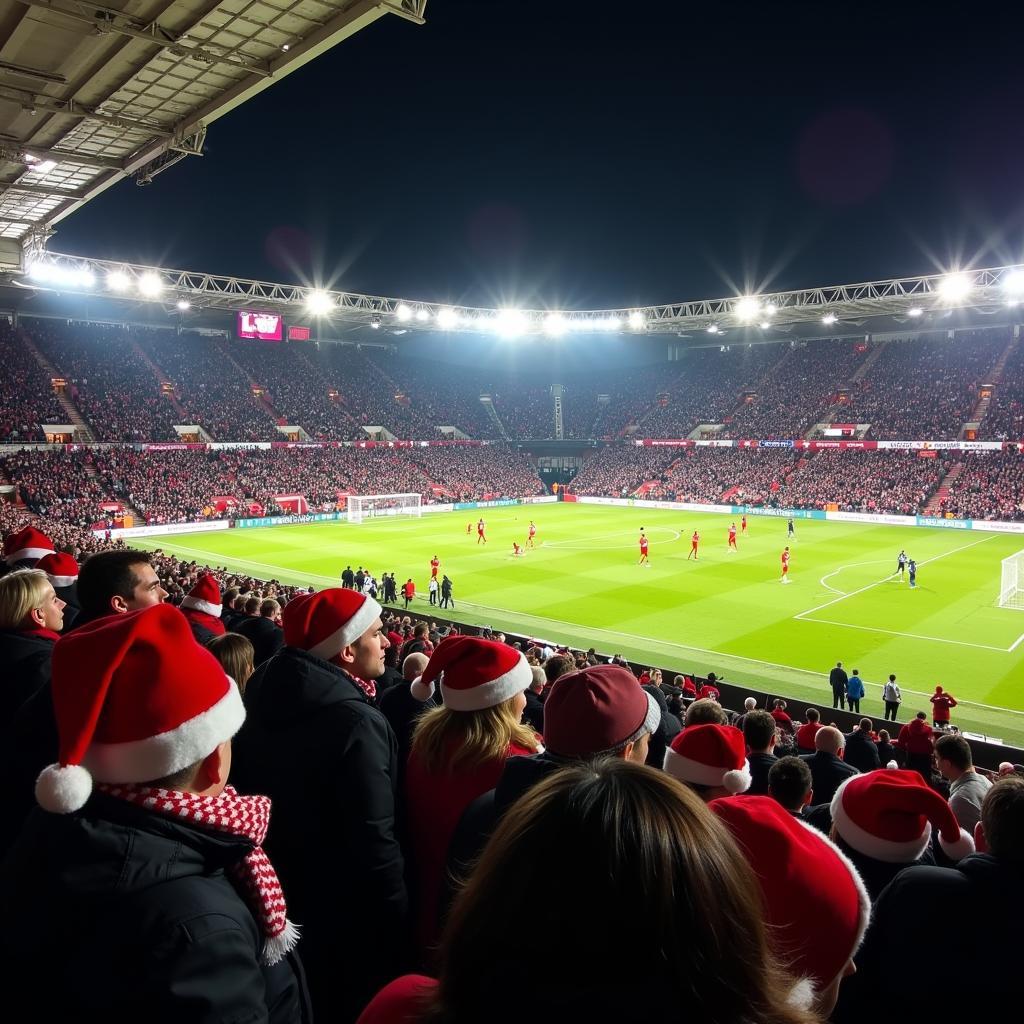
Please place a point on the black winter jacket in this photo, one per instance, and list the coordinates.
(119, 913)
(26, 663)
(266, 637)
(329, 762)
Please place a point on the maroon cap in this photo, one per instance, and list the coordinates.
(595, 710)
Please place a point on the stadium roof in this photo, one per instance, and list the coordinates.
(899, 304)
(93, 94)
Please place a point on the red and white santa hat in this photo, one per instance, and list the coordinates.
(136, 699)
(60, 568)
(888, 815)
(204, 596)
(25, 544)
(814, 899)
(710, 755)
(473, 674)
(324, 623)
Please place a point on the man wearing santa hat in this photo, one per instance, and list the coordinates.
(711, 760)
(23, 548)
(202, 607)
(142, 884)
(318, 747)
(62, 572)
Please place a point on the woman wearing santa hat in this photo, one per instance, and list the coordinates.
(611, 893)
(459, 751)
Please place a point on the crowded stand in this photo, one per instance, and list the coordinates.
(208, 385)
(27, 400)
(926, 388)
(108, 381)
(989, 486)
(1004, 418)
(63, 487)
(801, 389)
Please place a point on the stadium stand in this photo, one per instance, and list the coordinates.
(26, 396)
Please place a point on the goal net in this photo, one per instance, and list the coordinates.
(1011, 583)
(373, 506)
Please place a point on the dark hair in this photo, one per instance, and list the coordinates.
(921, 714)
(813, 714)
(252, 606)
(557, 665)
(1002, 818)
(758, 729)
(705, 712)
(630, 870)
(865, 724)
(108, 574)
(789, 781)
(956, 750)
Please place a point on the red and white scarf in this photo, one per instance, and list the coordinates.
(254, 876)
(368, 686)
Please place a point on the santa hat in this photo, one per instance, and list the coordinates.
(710, 755)
(473, 674)
(596, 710)
(204, 596)
(814, 899)
(27, 543)
(889, 815)
(61, 569)
(322, 624)
(136, 699)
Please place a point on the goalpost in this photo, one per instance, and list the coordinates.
(372, 506)
(1011, 583)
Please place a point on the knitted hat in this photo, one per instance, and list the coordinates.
(595, 710)
(473, 674)
(27, 543)
(889, 815)
(710, 755)
(815, 902)
(325, 623)
(61, 569)
(204, 596)
(136, 699)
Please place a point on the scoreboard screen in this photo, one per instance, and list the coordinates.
(296, 333)
(261, 326)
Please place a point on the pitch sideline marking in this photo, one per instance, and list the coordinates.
(852, 565)
(1015, 644)
(914, 636)
(877, 583)
(593, 629)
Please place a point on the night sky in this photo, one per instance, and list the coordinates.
(534, 154)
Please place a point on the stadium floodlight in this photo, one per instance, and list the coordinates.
(764, 325)
(318, 303)
(375, 322)
(771, 309)
(713, 329)
(118, 281)
(955, 287)
(183, 304)
(829, 319)
(555, 325)
(150, 285)
(447, 318)
(403, 312)
(747, 308)
(1013, 285)
(636, 320)
(915, 311)
(422, 315)
(611, 323)
(510, 323)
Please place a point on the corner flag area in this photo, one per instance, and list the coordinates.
(726, 612)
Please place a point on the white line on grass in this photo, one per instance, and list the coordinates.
(913, 636)
(1015, 644)
(852, 565)
(870, 586)
(701, 650)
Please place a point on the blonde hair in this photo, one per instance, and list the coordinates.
(20, 592)
(235, 654)
(449, 740)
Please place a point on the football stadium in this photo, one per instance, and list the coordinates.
(341, 624)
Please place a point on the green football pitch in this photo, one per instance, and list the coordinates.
(727, 612)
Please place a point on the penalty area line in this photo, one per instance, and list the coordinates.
(913, 636)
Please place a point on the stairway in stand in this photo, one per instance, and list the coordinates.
(934, 506)
(183, 415)
(83, 432)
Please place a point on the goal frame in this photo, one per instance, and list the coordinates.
(359, 507)
(1011, 581)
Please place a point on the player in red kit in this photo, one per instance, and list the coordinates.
(434, 566)
(532, 534)
(785, 565)
(644, 560)
(743, 524)
(694, 541)
(516, 549)
(480, 537)
(732, 537)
